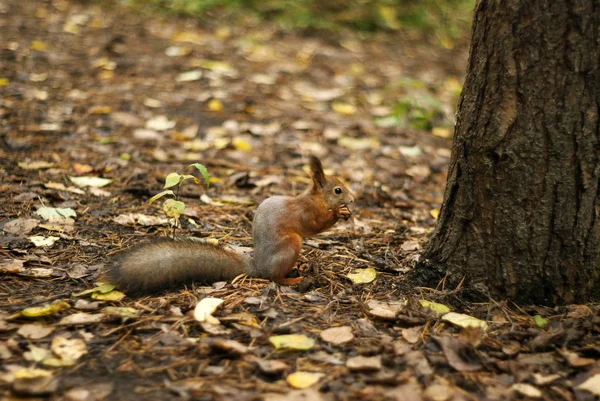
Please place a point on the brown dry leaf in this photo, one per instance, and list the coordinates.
(337, 335)
(34, 331)
(592, 385)
(527, 390)
(82, 318)
(439, 390)
(412, 334)
(20, 226)
(272, 366)
(385, 310)
(14, 266)
(68, 350)
(364, 363)
(231, 346)
(575, 360)
(461, 356)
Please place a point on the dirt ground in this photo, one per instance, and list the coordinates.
(110, 93)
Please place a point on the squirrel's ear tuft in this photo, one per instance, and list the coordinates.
(316, 168)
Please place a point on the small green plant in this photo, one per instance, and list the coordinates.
(173, 208)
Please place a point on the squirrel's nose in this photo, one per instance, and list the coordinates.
(351, 199)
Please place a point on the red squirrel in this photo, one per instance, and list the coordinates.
(280, 224)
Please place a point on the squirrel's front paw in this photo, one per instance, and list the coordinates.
(343, 212)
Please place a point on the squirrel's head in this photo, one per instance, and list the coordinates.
(334, 191)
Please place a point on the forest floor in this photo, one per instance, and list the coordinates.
(108, 93)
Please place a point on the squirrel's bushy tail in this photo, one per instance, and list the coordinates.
(165, 263)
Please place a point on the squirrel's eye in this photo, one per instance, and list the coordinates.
(337, 190)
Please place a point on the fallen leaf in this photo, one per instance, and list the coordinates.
(385, 310)
(363, 276)
(160, 123)
(337, 335)
(343, 108)
(34, 331)
(460, 355)
(362, 143)
(82, 318)
(462, 320)
(410, 151)
(592, 385)
(231, 346)
(40, 240)
(412, 334)
(56, 213)
(527, 390)
(114, 296)
(271, 366)
(205, 308)
(298, 342)
(364, 363)
(46, 310)
(96, 182)
(215, 105)
(540, 321)
(69, 350)
(437, 308)
(20, 226)
(189, 76)
(36, 165)
(122, 312)
(141, 219)
(302, 380)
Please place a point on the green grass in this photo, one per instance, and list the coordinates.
(445, 18)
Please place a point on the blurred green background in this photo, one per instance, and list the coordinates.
(445, 18)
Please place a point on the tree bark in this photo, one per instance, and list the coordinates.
(520, 216)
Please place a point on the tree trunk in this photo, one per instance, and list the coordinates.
(521, 216)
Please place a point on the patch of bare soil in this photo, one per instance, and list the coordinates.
(91, 92)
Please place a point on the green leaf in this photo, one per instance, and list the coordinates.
(173, 208)
(189, 177)
(172, 180)
(540, 321)
(160, 195)
(203, 170)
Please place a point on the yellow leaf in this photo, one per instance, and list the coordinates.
(50, 309)
(71, 27)
(345, 109)
(362, 143)
(38, 45)
(31, 373)
(298, 342)
(220, 143)
(434, 306)
(435, 213)
(363, 276)
(102, 288)
(3, 81)
(114, 296)
(215, 105)
(122, 312)
(99, 110)
(302, 380)
(242, 145)
(442, 132)
(463, 321)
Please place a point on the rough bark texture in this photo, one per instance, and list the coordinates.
(520, 217)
